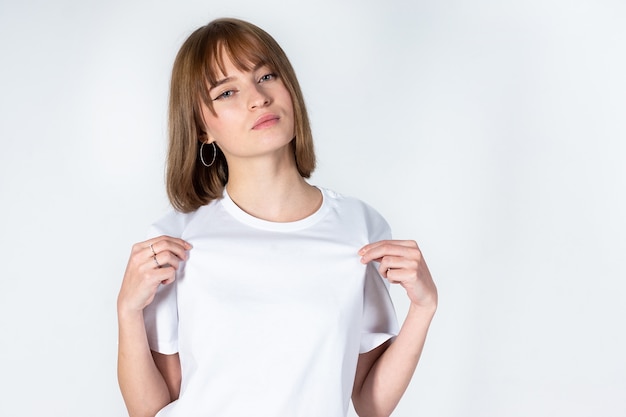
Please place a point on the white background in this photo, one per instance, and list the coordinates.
(492, 132)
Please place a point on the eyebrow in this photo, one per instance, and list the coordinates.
(220, 82)
(227, 79)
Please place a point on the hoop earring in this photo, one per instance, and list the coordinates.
(214, 154)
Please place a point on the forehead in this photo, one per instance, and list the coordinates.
(227, 67)
(229, 58)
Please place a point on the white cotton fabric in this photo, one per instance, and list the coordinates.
(269, 318)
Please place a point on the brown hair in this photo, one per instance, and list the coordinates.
(197, 66)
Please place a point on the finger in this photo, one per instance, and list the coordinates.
(398, 268)
(396, 276)
(161, 238)
(391, 248)
(154, 275)
(397, 262)
(166, 259)
(168, 275)
(167, 245)
(163, 244)
(407, 243)
(159, 241)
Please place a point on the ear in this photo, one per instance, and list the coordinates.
(204, 137)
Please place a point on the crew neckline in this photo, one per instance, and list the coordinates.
(250, 220)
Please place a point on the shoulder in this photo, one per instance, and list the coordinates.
(351, 205)
(352, 209)
(173, 223)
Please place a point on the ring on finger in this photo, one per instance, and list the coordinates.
(156, 262)
(152, 249)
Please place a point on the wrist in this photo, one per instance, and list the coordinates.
(126, 312)
(427, 309)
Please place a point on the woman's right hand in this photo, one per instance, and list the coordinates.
(151, 263)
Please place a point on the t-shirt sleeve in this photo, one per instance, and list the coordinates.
(379, 316)
(161, 316)
(161, 320)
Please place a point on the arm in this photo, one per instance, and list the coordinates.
(384, 373)
(147, 383)
(169, 366)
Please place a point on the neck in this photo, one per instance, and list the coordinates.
(272, 191)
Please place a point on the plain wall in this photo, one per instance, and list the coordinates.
(492, 132)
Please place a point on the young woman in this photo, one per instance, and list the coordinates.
(260, 294)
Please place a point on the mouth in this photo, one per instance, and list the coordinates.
(265, 121)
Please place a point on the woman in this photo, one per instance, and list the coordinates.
(261, 294)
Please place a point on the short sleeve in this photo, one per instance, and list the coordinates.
(379, 316)
(161, 320)
(161, 316)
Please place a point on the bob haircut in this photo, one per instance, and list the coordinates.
(198, 64)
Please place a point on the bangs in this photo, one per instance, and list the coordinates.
(244, 50)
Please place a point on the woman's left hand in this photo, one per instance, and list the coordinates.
(401, 262)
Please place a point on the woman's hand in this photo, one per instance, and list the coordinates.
(383, 374)
(151, 263)
(401, 262)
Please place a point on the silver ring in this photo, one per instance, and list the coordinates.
(156, 262)
(152, 249)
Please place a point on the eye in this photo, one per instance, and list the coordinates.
(267, 77)
(224, 95)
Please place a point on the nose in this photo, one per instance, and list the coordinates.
(258, 98)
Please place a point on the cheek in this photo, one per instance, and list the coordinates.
(217, 126)
(288, 103)
(287, 97)
(207, 119)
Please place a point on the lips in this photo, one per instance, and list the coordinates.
(267, 120)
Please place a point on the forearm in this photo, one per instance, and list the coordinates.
(143, 387)
(391, 374)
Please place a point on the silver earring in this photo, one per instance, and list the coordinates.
(214, 154)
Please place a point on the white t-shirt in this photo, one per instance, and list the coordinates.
(269, 318)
